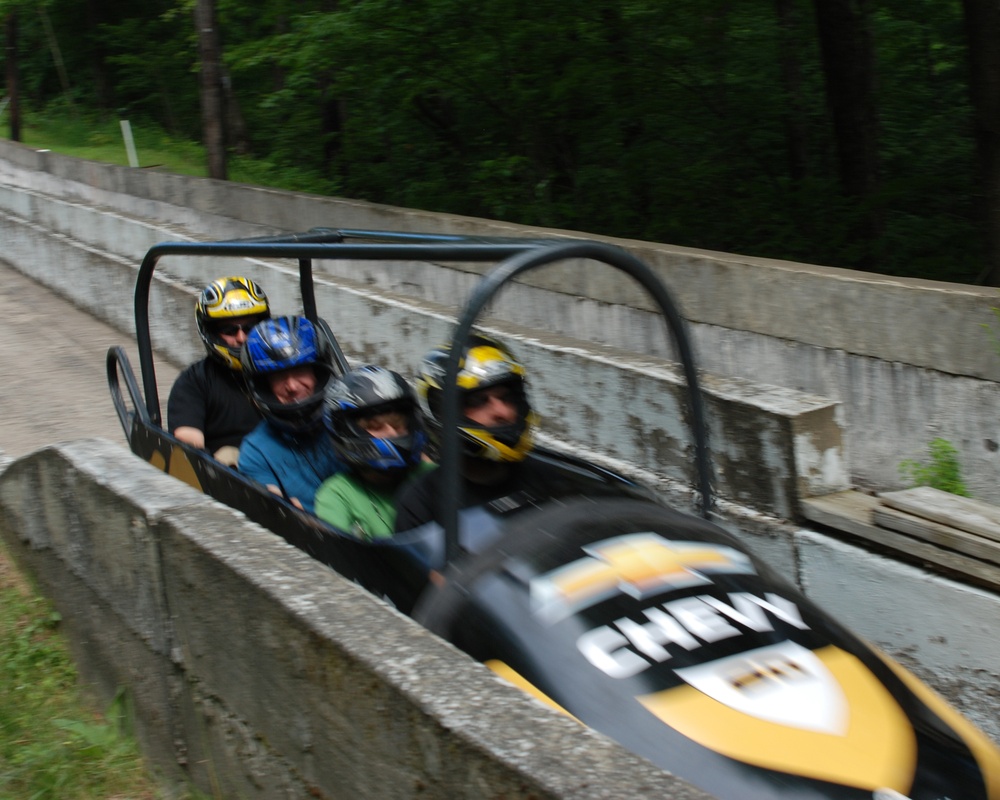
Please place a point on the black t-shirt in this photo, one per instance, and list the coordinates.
(528, 483)
(212, 398)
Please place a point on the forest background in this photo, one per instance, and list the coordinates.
(847, 133)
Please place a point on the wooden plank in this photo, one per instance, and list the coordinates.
(948, 509)
(942, 535)
(842, 510)
(853, 511)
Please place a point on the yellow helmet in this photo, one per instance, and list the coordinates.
(226, 299)
(486, 362)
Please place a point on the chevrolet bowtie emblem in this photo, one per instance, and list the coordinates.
(637, 564)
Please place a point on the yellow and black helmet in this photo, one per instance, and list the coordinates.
(486, 362)
(223, 300)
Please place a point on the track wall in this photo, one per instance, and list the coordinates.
(256, 672)
(905, 360)
(87, 243)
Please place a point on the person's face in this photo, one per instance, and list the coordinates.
(495, 405)
(387, 425)
(292, 385)
(233, 332)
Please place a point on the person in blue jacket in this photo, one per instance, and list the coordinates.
(287, 363)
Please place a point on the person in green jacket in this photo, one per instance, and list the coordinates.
(375, 426)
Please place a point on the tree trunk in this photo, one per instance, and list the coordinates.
(982, 23)
(237, 133)
(213, 111)
(848, 57)
(99, 66)
(330, 128)
(791, 80)
(13, 78)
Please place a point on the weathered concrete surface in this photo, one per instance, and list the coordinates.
(631, 407)
(54, 385)
(894, 399)
(907, 360)
(259, 673)
(942, 630)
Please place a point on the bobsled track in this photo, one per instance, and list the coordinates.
(259, 672)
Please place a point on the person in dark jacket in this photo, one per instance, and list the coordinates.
(208, 406)
(496, 430)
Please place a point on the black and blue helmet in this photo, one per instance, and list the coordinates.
(279, 344)
(365, 392)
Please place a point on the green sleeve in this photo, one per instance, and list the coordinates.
(331, 504)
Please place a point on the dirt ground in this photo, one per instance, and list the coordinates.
(54, 383)
(53, 379)
(10, 576)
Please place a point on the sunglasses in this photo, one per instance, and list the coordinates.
(233, 328)
(483, 397)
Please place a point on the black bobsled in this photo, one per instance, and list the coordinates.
(657, 627)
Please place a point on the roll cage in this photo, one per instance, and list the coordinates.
(511, 257)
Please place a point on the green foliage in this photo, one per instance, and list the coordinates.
(149, 52)
(670, 122)
(941, 471)
(50, 746)
(99, 138)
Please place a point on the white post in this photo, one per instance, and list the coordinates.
(133, 159)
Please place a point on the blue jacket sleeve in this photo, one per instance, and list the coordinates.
(254, 464)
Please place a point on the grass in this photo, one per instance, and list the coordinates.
(942, 469)
(102, 140)
(53, 745)
(97, 139)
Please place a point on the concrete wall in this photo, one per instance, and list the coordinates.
(906, 360)
(256, 672)
(772, 445)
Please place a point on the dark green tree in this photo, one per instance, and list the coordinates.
(746, 127)
(212, 93)
(848, 53)
(982, 19)
(12, 72)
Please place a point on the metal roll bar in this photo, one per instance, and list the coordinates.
(540, 255)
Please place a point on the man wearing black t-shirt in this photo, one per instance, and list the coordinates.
(209, 406)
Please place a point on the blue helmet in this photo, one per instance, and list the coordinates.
(365, 392)
(279, 344)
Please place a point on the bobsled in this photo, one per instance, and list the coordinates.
(653, 625)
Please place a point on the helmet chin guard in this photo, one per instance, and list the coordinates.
(366, 392)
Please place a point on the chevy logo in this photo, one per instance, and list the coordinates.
(636, 564)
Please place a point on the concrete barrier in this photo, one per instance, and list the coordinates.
(256, 672)
(598, 397)
(907, 360)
